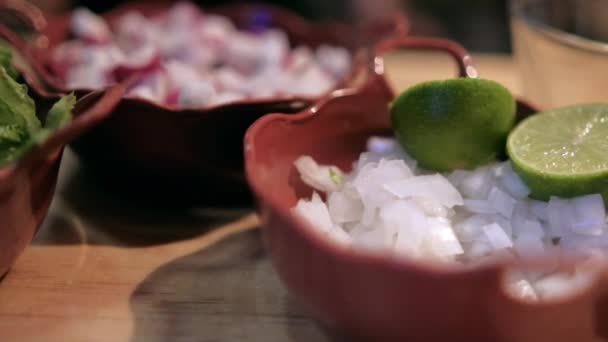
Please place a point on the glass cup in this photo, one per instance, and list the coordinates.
(561, 48)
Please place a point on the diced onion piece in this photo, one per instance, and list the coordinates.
(89, 26)
(470, 229)
(444, 240)
(479, 206)
(501, 201)
(513, 183)
(523, 289)
(381, 145)
(497, 236)
(433, 187)
(529, 246)
(315, 175)
(590, 218)
(316, 212)
(196, 94)
(559, 213)
(340, 236)
(560, 284)
(477, 184)
(344, 208)
(539, 210)
(530, 227)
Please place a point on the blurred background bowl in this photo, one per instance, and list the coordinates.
(161, 156)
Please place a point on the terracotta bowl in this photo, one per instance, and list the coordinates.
(184, 157)
(27, 187)
(376, 297)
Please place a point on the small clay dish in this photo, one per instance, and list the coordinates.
(168, 156)
(378, 297)
(27, 187)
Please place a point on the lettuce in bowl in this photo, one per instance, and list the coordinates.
(20, 128)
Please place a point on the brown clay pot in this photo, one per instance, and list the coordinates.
(184, 157)
(378, 297)
(27, 187)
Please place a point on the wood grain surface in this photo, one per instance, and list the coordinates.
(105, 270)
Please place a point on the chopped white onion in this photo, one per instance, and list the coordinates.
(539, 210)
(590, 215)
(501, 201)
(513, 183)
(480, 216)
(442, 238)
(407, 221)
(195, 94)
(529, 246)
(316, 212)
(559, 214)
(242, 64)
(477, 184)
(479, 206)
(340, 236)
(560, 284)
(317, 176)
(87, 25)
(497, 236)
(529, 227)
(344, 208)
(523, 289)
(432, 187)
(153, 87)
(457, 177)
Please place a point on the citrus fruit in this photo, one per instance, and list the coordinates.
(454, 124)
(562, 152)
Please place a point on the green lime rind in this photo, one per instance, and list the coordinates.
(562, 152)
(454, 124)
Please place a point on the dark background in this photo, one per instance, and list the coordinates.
(480, 25)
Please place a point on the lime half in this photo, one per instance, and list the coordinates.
(562, 152)
(454, 124)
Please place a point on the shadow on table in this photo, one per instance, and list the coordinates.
(227, 292)
(85, 211)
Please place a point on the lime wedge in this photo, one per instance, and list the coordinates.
(562, 152)
(454, 124)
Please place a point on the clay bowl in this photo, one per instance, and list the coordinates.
(376, 297)
(27, 187)
(174, 157)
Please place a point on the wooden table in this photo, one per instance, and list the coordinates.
(102, 270)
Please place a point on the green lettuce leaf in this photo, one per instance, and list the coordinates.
(11, 138)
(61, 112)
(16, 106)
(20, 129)
(6, 61)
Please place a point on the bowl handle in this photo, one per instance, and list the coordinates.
(460, 55)
(29, 45)
(25, 15)
(89, 111)
(371, 79)
(33, 72)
